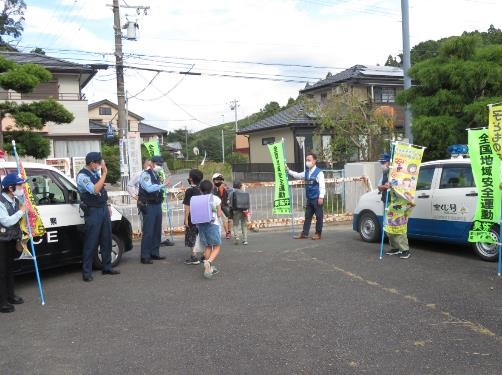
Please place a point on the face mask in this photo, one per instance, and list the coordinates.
(308, 164)
(218, 183)
(189, 182)
(157, 168)
(19, 192)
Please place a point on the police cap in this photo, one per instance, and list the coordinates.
(93, 157)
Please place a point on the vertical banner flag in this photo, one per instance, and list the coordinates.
(282, 203)
(495, 128)
(485, 165)
(153, 148)
(35, 221)
(403, 178)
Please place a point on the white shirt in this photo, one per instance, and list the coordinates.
(319, 179)
(216, 203)
(133, 185)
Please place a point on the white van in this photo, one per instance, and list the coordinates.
(446, 203)
(57, 200)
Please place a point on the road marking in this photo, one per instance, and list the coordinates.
(472, 326)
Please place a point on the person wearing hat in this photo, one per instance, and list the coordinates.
(11, 212)
(97, 215)
(220, 190)
(150, 200)
(384, 184)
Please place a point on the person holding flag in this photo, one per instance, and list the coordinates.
(11, 212)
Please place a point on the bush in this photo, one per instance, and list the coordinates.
(110, 155)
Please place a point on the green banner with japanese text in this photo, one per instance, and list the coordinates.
(152, 148)
(495, 128)
(282, 203)
(485, 165)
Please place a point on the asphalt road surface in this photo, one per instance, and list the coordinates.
(278, 306)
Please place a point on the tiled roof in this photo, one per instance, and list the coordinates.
(51, 63)
(174, 145)
(149, 129)
(359, 72)
(294, 115)
(97, 127)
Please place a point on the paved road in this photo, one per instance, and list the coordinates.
(279, 306)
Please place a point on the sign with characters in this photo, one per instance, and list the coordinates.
(282, 202)
(495, 128)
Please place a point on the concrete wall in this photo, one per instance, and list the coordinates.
(259, 153)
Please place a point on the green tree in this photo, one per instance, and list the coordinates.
(38, 50)
(392, 61)
(110, 154)
(451, 91)
(12, 19)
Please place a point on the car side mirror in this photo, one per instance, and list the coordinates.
(72, 196)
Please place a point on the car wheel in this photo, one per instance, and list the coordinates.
(369, 227)
(488, 251)
(117, 251)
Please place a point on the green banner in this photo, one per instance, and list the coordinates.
(152, 148)
(282, 203)
(485, 165)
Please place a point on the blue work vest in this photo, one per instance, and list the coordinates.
(13, 232)
(93, 200)
(153, 197)
(311, 184)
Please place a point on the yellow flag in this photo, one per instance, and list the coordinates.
(495, 128)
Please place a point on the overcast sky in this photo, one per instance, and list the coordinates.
(326, 35)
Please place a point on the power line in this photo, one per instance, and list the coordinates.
(146, 87)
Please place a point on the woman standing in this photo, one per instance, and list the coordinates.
(11, 211)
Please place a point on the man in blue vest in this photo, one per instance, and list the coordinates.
(150, 202)
(315, 189)
(97, 215)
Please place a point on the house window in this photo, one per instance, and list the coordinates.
(384, 94)
(324, 97)
(267, 141)
(105, 111)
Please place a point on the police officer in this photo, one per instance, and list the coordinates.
(150, 201)
(97, 211)
(11, 211)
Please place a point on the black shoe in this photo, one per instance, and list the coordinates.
(393, 252)
(405, 254)
(157, 257)
(15, 300)
(110, 272)
(7, 308)
(192, 260)
(146, 261)
(87, 278)
(167, 243)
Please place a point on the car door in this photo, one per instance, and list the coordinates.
(454, 202)
(420, 223)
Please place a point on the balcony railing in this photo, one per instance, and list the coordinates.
(62, 96)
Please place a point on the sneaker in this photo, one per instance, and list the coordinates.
(208, 272)
(393, 252)
(405, 254)
(192, 260)
(236, 241)
(229, 235)
(214, 270)
(244, 242)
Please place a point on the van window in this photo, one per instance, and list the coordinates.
(458, 176)
(44, 189)
(425, 178)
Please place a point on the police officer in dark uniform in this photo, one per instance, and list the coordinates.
(11, 211)
(97, 214)
(150, 203)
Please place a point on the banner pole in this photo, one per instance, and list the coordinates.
(386, 202)
(289, 189)
(30, 234)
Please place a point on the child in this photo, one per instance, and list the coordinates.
(194, 178)
(240, 217)
(210, 233)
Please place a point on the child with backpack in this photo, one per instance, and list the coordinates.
(206, 213)
(239, 202)
(194, 178)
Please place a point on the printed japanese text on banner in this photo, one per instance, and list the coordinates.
(282, 203)
(495, 128)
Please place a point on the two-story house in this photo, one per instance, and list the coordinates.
(377, 85)
(68, 80)
(105, 111)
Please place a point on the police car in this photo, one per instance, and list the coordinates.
(445, 206)
(57, 200)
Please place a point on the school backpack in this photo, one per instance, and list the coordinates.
(201, 209)
(240, 200)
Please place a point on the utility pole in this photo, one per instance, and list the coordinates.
(223, 145)
(186, 142)
(233, 106)
(406, 65)
(119, 68)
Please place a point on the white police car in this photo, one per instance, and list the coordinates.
(58, 201)
(446, 204)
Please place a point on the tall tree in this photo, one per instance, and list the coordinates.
(451, 90)
(24, 78)
(12, 19)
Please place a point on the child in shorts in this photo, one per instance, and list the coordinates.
(210, 233)
(194, 178)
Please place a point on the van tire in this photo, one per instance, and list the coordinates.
(488, 252)
(117, 251)
(369, 227)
